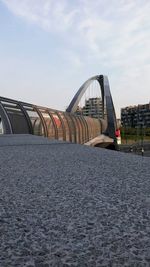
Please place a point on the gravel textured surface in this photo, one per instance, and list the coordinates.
(63, 204)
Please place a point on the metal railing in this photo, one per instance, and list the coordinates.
(23, 118)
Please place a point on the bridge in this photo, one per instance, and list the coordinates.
(18, 117)
(65, 204)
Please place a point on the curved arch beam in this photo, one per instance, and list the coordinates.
(109, 106)
(75, 101)
(7, 127)
(107, 102)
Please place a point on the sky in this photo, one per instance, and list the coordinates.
(49, 48)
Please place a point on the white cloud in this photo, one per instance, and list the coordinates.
(51, 15)
(114, 35)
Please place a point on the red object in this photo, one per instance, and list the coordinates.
(117, 133)
(57, 121)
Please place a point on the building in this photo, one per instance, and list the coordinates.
(93, 107)
(136, 116)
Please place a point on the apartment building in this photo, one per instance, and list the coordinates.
(136, 116)
(93, 107)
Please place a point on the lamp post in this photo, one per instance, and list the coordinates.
(142, 148)
(126, 133)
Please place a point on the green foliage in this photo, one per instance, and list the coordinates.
(134, 131)
(131, 135)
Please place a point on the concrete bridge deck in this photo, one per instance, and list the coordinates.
(101, 141)
(63, 204)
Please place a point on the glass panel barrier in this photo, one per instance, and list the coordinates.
(20, 117)
(72, 127)
(97, 130)
(1, 126)
(59, 126)
(88, 120)
(77, 128)
(80, 130)
(17, 118)
(35, 121)
(97, 127)
(84, 129)
(51, 130)
(66, 126)
(93, 128)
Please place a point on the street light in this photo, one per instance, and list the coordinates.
(142, 147)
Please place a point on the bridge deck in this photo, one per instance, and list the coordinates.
(71, 205)
(101, 140)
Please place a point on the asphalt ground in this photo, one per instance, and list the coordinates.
(63, 204)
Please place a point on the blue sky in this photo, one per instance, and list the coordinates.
(49, 48)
